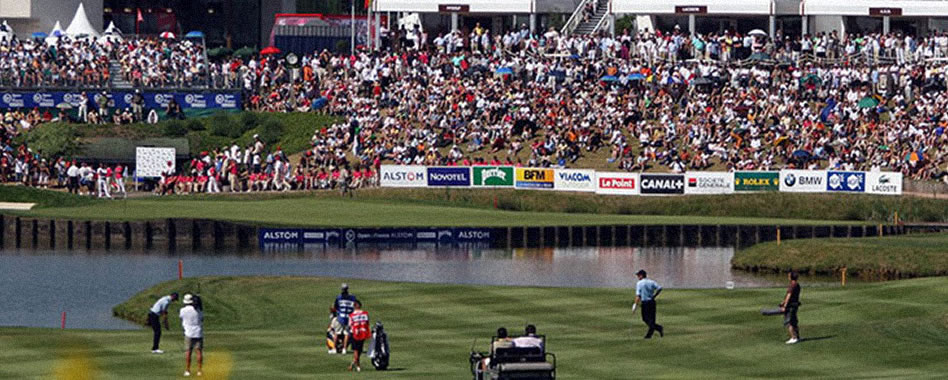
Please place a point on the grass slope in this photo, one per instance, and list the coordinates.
(266, 327)
(877, 257)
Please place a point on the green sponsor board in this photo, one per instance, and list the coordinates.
(756, 181)
(501, 176)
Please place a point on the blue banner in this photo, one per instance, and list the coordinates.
(449, 176)
(121, 99)
(344, 236)
(846, 181)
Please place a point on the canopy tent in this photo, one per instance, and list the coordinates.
(80, 25)
(112, 29)
(55, 34)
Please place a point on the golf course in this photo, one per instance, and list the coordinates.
(274, 327)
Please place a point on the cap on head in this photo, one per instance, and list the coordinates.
(188, 299)
(641, 272)
(531, 329)
(174, 295)
(345, 286)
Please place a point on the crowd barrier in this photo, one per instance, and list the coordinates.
(625, 183)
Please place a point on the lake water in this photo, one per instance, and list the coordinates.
(37, 286)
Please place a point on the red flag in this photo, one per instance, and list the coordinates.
(139, 18)
(367, 3)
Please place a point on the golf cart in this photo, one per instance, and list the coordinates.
(509, 362)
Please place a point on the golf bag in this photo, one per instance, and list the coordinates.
(379, 351)
(337, 345)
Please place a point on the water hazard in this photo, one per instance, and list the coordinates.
(87, 285)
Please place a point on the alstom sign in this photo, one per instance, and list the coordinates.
(403, 176)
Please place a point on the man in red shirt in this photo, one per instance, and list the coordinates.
(359, 325)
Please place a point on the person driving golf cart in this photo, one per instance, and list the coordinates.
(522, 357)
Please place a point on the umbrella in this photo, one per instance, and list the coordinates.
(57, 33)
(40, 35)
(801, 154)
(811, 78)
(759, 57)
(64, 106)
(219, 52)
(608, 78)
(757, 32)
(914, 156)
(636, 76)
(194, 34)
(503, 71)
(245, 51)
(270, 50)
(868, 102)
(167, 35)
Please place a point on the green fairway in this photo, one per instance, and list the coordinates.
(265, 327)
(873, 258)
(338, 212)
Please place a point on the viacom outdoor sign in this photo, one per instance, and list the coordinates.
(492, 176)
(403, 176)
(662, 184)
(803, 181)
(452, 176)
(854, 182)
(574, 180)
(617, 183)
(709, 183)
(530, 178)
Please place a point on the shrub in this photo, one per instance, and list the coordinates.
(194, 125)
(174, 128)
(56, 139)
(271, 131)
(221, 124)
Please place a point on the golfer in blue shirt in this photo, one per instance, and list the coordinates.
(646, 291)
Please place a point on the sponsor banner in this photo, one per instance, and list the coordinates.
(756, 181)
(846, 181)
(886, 183)
(574, 180)
(530, 178)
(652, 184)
(617, 183)
(121, 99)
(280, 236)
(449, 176)
(803, 181)
(332, 236)
(709, 183)
(403, 176)
(492, 176)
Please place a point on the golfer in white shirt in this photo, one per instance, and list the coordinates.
(192, 320)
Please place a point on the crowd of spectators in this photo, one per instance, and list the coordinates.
(663, 101)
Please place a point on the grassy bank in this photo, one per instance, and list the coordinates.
(872, 258)
(292, 131)
(434, 207)
(274, 327)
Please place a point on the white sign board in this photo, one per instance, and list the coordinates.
(887, 183)
(617, 183)
(574, 180)
(403, 176)
(803, 181)
(709, 183)
(151, 162)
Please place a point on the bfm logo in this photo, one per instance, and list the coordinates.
(534, 175)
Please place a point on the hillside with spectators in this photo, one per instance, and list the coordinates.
(663, 101)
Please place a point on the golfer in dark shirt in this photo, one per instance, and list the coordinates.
(789, 306)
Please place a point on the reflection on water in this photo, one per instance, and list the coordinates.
(87, 285)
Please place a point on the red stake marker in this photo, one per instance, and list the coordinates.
(180, 269)
(63, 321)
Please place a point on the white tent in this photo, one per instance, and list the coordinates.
(80, 24)
(112, 29)
(55, 34)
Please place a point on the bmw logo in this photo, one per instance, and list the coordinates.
(790, 180)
